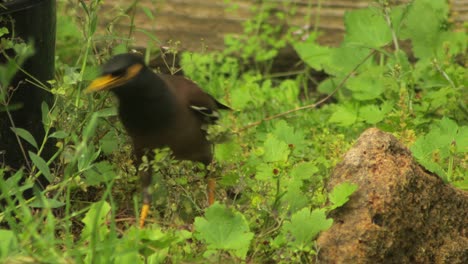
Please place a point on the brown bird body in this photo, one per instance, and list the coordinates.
(153, 121)
(159, 111)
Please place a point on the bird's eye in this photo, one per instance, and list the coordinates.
(119, 72)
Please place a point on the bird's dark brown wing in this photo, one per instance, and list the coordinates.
(193, 97)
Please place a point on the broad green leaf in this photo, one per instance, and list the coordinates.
(87, 155)
(294, 198)
(8, 70)
(371, 114)
(24, 134)
(275, 150)
(88, 131)
(313, 54)
(341, 193)
(41, 165)
(240, 98)
(228, 151)
(120, 49)
(344, 115)
(8, 243)
(264, 172)
(45, 115)
(288, 134)
(461, 140)
(91, 72)
(107, 112)
(453, 43)
(224, 229)
(101, 172)
(109, 143)
(345, 58)
(3, 31)
(397, 16)
(368, 85)
(424, 30)
(286, 92)
(462, 184)
(304, 171)
(329, 85)
(366, 27)
(304, 227)
(433, 149)
(59, 134)
(94, 221)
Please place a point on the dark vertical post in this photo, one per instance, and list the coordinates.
(32, 21)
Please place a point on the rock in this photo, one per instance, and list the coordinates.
(401, 213)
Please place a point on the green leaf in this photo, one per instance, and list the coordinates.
(224, 229)
(304, 227)
(329, 85)
(461, 140)
(435, 148)
(88, 131)
(423, 26)
(397, 16)
(109, 143)
(87, 155)
(148, 12)
(462, 184)
(264, 172)
(313, 54)
(41, 165)
(304, 171)
(45, 115)
(91, 72)
(372, 114)
(366, 27)
(101, 172)
(228, 151)
(14, 185)
(3, 31)
(7, 71)
(8, 243)
(120, 49)
(286, 133)
(107, 112)
(59, 134)
(341, 193)
(95, 221)
(241, 97)
(368, 85)
(24, 134)
(294, 198)
(345, 58)
(344, 115)
(275, 149)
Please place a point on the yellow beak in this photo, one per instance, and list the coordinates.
(103, 83)
(109, 81)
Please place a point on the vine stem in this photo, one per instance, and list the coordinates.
(314, 105)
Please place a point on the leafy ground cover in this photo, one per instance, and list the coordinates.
(399, 68)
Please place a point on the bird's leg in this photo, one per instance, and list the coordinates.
(211, 184)
(211, 190)
(146, 180)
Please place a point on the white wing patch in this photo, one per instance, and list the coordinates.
(208, 114)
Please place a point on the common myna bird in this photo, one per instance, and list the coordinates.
(159, 111)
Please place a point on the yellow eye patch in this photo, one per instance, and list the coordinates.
(109, 81)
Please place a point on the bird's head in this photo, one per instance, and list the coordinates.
(117, 71)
